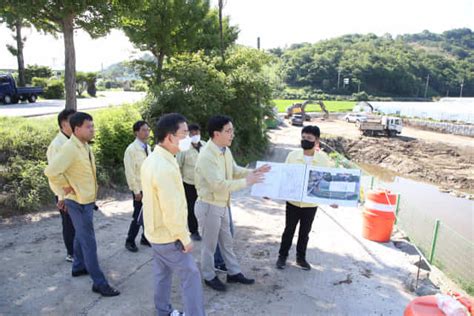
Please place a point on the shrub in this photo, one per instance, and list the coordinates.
(113, 135)
(30, 186)
(32, 71)
(361, 96)
(23, 145)
(199, 86)
(39, 82)
(54, 89)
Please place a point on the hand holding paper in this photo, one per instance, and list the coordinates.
(310, 184)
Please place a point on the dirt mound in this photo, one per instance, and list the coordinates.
(441, 164)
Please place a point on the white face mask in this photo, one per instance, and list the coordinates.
(195, 139)
(185, 143)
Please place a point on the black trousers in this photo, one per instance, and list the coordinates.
(294, 214)
(191, 197)
(68, 231)
(134, 226)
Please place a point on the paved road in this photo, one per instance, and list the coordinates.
(45, 107)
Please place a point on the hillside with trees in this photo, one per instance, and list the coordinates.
(383, 65)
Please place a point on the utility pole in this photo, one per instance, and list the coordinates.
(462, 85)
(258, 43)
(338, 77)
(427, 82)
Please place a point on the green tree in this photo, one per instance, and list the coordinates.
(15, 21)
(208, 38)
(386, 66)
(199, 86)
(35, 71)
(164, 27)
(64, 17)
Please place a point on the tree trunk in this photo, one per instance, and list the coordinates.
(69, 62)
(161, 58)
(19, 55)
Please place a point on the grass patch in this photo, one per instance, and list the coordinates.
(332, 106)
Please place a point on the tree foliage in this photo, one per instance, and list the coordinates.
(199, 86)
(169, 27)
(64, 17)
(383, 65)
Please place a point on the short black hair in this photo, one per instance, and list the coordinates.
(194, 127)
(167, 124)
(311, 129)
(138, 125)
(78, 118)
(216, 124)
(64, 115)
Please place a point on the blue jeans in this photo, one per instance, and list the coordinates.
(218, 260)
(85, 246)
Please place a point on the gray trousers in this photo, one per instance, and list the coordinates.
(168, 259)
(215, 224)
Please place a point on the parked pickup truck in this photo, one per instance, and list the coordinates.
(10, 93)
(385, 125)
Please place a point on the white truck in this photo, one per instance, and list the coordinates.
(384, 125)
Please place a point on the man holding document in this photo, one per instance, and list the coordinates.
(217, 176)
(301, 212)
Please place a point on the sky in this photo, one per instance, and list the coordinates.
(278, 23)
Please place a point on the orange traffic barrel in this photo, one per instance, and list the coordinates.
(428, 306)
(423, 306)
(379, 215)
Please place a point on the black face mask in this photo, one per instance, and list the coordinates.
(306, 144)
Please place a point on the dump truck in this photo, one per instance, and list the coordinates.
(384, 125)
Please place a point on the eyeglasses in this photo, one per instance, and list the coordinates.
(228, 131)
(182, 133)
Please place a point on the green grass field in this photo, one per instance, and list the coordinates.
(332, 106)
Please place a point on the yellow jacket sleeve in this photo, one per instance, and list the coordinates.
(169, 202)
(50, 154)
(240, 172)
(56, 168)
(216, 181)
(131, 172)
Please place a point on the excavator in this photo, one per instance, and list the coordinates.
(299, 108)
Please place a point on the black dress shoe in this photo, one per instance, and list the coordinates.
(105, 290)
(281, 262)
(145, 242)
(131, 246)
(216, 284)
(79, 273)
(303, 264)
(239, 278)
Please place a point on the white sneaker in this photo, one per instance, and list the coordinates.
(176, 313)
(69, 258)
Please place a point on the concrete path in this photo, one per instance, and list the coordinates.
(350, 275)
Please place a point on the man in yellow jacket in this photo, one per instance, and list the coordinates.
(165, 218)
(61, 138)
(133, 159)
(216, 176)
(73, 169)
(298, 212)
(187, 162)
